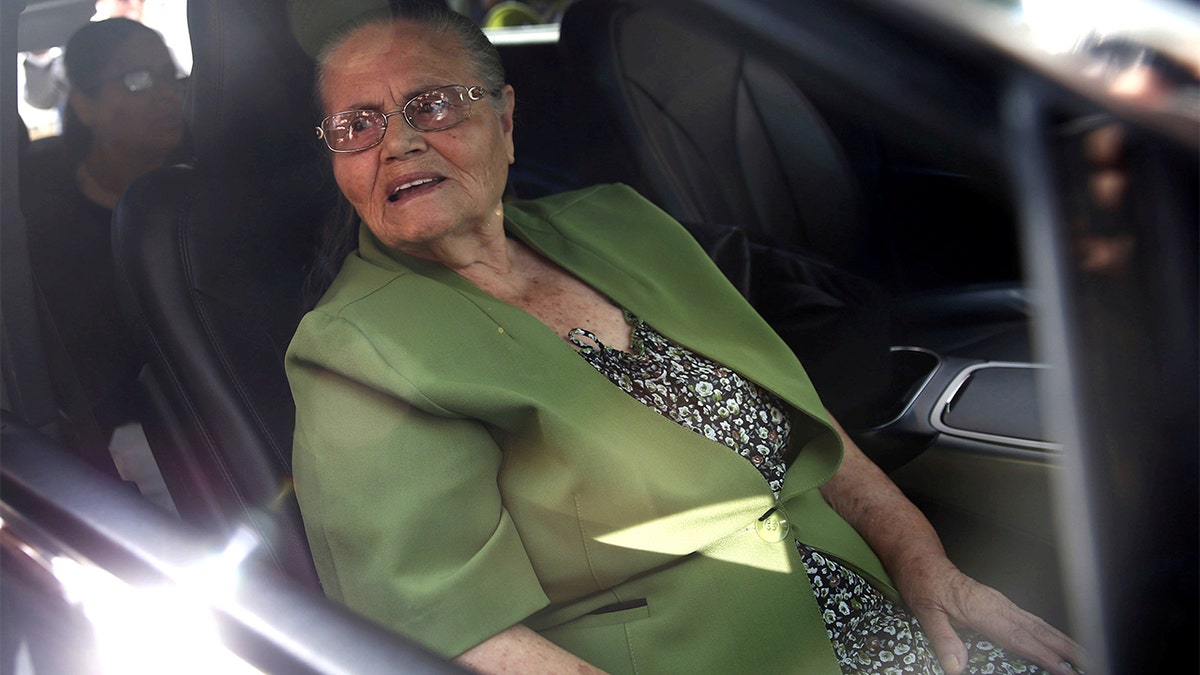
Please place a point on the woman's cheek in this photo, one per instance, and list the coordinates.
(353, 183)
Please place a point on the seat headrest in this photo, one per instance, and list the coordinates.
(251, 104)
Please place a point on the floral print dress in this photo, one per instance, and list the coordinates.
(870, 634)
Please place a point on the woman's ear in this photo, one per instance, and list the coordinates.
(506, 120)
(84, 107)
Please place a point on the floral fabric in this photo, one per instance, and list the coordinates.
(870, 634)
(696, 393)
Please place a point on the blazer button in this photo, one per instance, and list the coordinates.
(773, 526)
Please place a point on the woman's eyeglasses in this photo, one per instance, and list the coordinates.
(433, 110)
(145, 80)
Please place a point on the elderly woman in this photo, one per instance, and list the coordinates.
(548, 436)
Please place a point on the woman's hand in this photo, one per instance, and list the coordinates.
(940, 596)
(943, 599)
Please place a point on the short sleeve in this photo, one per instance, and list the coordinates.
(400, 500)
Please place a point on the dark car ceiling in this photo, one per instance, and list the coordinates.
(48, 23)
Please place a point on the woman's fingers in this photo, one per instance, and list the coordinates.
(950, 650)
(984, 610)
(1023, 633)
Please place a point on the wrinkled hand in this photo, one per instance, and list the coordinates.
(943, 598)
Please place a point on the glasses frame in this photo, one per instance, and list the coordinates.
(155, 81)
(473, 93)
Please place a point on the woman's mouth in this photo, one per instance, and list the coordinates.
(412, 188)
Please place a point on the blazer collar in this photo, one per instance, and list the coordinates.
(714, 321)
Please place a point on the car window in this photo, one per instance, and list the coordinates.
(511, 13)
(40, 79)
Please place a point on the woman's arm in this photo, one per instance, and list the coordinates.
(520, 651)
(939, 594)
(401, 505)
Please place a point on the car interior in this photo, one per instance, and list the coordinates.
(214, 255)
(887, 249)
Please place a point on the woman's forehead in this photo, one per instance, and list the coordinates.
(401, 44)
(388, 56)
(142, 51)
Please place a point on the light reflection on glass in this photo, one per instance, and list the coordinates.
(1059, 25)
(164, 628)
(675, 535)
(1141, 51)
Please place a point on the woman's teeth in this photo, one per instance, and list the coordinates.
(396, 193)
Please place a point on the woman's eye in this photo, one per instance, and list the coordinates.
(360, 123)
(433, 106)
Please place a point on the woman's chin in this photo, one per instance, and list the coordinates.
(413, 230)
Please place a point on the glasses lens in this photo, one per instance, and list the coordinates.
(438, 109)
(354, 129)
(140, 80)
(145, 80)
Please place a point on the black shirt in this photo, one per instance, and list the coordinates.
(70, 242)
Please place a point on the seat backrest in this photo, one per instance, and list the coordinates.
(718, 135)
(721, 136)
(213, 258)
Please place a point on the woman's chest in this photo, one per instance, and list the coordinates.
(563, 303)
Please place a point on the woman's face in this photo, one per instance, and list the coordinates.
(135, 121)
(416, 188)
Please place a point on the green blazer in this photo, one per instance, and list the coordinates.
(460, 468)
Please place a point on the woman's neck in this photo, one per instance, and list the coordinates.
(501, 270)
(479, 250)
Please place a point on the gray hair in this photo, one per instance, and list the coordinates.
(440, 20)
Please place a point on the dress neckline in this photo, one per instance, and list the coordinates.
(581, 337)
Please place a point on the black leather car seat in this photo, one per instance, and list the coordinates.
(213, 257)
(720, 136)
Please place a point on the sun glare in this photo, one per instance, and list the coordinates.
(163, 628)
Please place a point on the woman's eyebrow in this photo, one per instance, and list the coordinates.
(360, 106)
(363, 104)
(405, 97)
(421, 89)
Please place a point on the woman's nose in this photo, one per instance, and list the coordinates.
(400, 140)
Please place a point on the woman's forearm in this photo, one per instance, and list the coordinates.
(942, 598)
(895, 529)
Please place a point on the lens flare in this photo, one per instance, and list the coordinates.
(162, 628)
